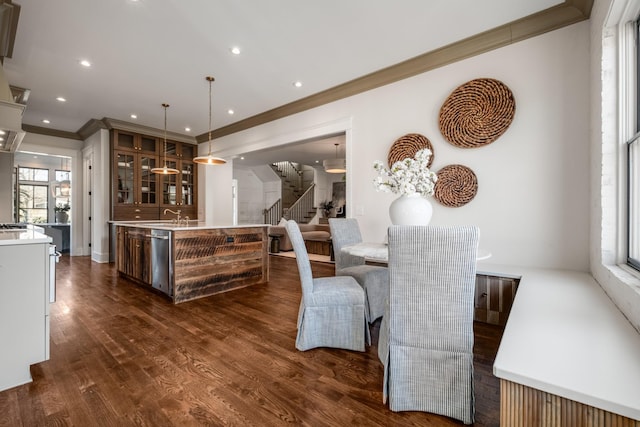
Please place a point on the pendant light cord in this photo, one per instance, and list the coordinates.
(210, 80)
(165, 134)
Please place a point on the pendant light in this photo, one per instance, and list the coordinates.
(165, 170)
(209, 159)
(335, 165)
(65, 184)
(61, 188)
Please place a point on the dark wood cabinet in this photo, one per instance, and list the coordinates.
(181, 150)
(135, 142)
(134, 254)
(494, 298)
(178, 191)
(138, 193)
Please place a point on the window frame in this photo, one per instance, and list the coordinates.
(633, 188)
(633, 197)
(33, 185)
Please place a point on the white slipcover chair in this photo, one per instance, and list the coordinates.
(332, 309)
(426, 334)
(373, 279)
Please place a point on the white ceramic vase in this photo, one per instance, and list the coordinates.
(410, 210)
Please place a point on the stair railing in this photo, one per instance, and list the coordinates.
(303, 209)
(273, 214)
(289, 172)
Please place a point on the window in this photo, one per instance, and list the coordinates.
(33, 203)
(33, 174)
(633, 211)
(33, 195)
(633, 173)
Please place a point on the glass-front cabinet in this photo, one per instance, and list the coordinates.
(134, 142)
(181, 150)
(138, 193)
(178, 191)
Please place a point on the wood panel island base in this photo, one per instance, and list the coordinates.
(192, 261)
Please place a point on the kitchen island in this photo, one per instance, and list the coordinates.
(192, 259)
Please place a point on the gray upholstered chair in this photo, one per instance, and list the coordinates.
(332, 309)
(373, 279)
(426, 334)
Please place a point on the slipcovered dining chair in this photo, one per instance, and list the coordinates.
(426, 334)
(332, 309)
(373, 279)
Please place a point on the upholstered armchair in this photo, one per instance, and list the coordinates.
(332, 309)
(426, 334)
(373, 279)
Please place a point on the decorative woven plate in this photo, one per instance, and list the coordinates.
(456, 186)
(477, 113)
(408, 146)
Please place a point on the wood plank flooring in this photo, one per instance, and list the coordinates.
(122, 355)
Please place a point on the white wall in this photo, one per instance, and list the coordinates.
(532, 204)
(215, 194)
(251, 196)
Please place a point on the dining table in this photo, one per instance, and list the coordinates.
(379, 252)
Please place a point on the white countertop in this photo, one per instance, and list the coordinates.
(192, 225)
(22, 237)
(566, 337)
(379, 252)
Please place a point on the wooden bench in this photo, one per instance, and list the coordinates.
(567, 355)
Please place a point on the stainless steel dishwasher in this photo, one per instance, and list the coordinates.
(161, 265)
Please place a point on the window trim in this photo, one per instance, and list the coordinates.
(630, 120)
(628, 64)
(632, 262)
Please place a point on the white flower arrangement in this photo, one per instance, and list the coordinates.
(407, 177)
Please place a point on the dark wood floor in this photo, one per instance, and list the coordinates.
(121, 355)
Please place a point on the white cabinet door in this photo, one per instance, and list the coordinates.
(23, 302)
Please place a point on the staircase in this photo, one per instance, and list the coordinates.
(291, 179)
(297, 198)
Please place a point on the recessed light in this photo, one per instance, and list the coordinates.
(134, 116)
(47, 121)
(187, 129)
(61, 99)
(297, 84)
(241, 157)
(1, 138)
(235, 50)
(317, 161)
(85, 63)
(230, 111)
(2, 132)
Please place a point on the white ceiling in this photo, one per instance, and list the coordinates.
(147, 52)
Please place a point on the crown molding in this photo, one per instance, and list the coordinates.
(91, 127)
(9, 16)
(147, 130)
(51, 132)
(553, 18)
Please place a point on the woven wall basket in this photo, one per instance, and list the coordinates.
(407, 146)
(456, 186)
(477, 113)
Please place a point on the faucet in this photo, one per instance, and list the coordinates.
(175, 213)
